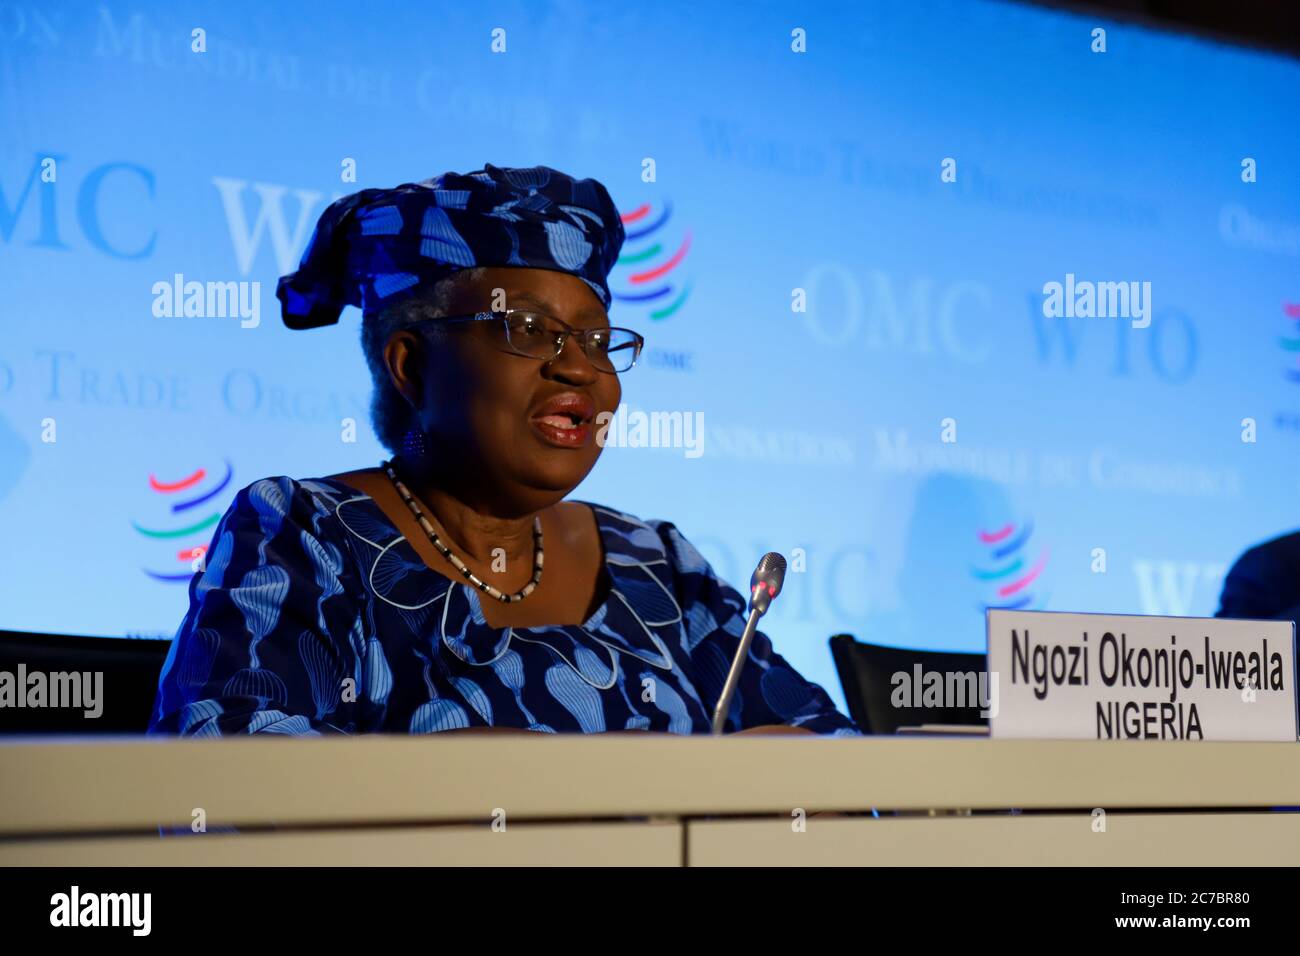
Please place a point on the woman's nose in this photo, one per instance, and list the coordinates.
(571, 364)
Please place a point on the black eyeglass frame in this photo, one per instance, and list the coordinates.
(561, 338)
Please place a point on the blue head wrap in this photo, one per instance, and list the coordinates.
(376, 246)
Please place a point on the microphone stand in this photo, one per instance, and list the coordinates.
(759, 600)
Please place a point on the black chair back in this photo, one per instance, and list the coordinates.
(123, 693)
(867, 676)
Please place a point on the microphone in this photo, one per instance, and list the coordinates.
(764, 585)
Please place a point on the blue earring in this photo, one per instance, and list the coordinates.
(414, 447)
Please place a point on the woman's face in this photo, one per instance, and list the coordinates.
(500, 423)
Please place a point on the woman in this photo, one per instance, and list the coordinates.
(453, 588)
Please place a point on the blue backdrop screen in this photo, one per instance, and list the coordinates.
(839, 263)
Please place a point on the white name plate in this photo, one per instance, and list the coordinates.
(1122, 677)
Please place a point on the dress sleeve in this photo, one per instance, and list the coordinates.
(770, 690)
(273, 631)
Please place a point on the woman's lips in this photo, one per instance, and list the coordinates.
(564, 420)
(561, 431)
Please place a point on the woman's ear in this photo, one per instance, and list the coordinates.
(404, 357)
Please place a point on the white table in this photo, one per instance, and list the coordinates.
(657, 800)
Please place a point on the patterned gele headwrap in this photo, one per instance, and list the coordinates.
(376, 246)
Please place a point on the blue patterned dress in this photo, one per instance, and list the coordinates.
(315, 615)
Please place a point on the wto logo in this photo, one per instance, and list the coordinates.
(183, 511)
(1291, 343)
(650, 275)
(1008, 575)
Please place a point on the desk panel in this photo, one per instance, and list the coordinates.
(537, 844)
(82, 786)
(1130, 839)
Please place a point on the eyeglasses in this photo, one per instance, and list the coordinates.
(609, 349)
